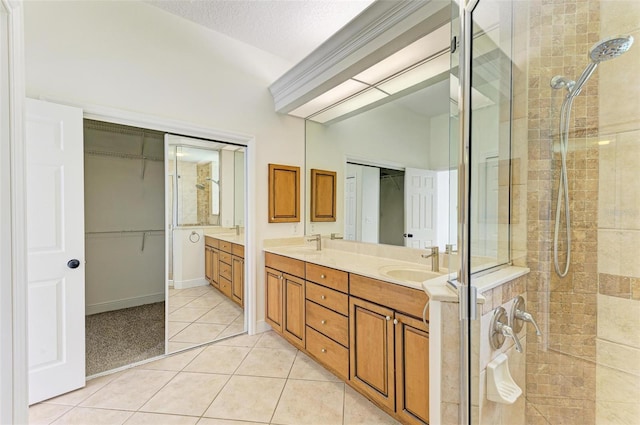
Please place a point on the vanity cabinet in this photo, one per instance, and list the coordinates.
(285, 297)
(327, 321)
(224, 268)
(367, 331)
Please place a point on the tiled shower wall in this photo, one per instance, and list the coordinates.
(560, 365)
(579, 372)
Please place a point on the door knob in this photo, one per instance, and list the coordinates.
(73, 264)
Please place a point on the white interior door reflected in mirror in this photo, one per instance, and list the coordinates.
(420, 198)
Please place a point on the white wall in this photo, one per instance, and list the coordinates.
(135, 57)
(387, 135)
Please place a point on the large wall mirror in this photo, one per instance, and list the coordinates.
(206, 191)
(396, 159)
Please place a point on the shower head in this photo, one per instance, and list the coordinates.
(604, 50)
(200, 186)
(610, 48)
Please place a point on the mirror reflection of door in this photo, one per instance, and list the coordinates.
(205, 245)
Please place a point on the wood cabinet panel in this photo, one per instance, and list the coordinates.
(400, 298)
(412, 370)
(212, 242)
(328, 322)
(215, 267)
(332, 278)
(328, 352)
(225, 270)
(225, 257)
(237, 281)
(284, 193)
(225, 246)
(293, 327)
(328, 298)
(225, 286)
(274, 281)
(288, 265)
(237, 250)
(372, 351)
(323, 195)
(207, 263)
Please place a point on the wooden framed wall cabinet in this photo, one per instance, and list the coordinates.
(284, 194)
(323, 195)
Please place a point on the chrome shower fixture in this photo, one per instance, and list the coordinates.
(200, 186)
(604, 50)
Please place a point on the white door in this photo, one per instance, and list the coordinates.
(350, 209)
(55, 226)
(420, 208)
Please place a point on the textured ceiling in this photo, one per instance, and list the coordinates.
(290, 29)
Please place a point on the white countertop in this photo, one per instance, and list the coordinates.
(228, 237)
(364, 265)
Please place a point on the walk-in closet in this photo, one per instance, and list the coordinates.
(125, 245)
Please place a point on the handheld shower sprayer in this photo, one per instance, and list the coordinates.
(603, 50)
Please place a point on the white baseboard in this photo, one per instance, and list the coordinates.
(125, 303)
(185, 284)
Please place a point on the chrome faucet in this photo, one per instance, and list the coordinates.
(335, 236)
(435, 258)
(318, 239)
(237, 229)
(499, 330)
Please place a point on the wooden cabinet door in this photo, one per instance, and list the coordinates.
(294, 307)
(371, 368)
(274, 282)
(412, 370)
(207, 263)
(215, 267)
(237, 281)
(284, 193)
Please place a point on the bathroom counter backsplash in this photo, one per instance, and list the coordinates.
(357, 259)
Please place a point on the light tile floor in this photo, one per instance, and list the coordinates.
(200, 315)
(258, 379)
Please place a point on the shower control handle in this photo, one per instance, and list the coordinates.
(499, 331)
(519, 315)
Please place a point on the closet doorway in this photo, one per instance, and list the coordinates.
(124, 245)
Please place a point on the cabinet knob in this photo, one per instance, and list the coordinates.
(396, 321)
(322, 297)
(388, 318)
(280, 277)
(324, 322)
(324, 350)
(322, 276)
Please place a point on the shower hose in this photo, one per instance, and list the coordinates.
(563, 188)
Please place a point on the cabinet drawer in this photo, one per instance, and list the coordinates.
(328, 297)
(397, 297)
(328, 322)
(225, 246)
(328, 352)
(325, 276)
(288, 265)
(237, 250)
(212, 242)
(225, 286)
(225, 270)
(225, 257)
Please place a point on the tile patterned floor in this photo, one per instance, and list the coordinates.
(258, 379)
(200, 315)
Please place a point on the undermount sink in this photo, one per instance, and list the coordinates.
(408, 273)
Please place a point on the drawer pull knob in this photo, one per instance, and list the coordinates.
(388, 318)
(324, 322)
(396, 321)
(324, 350)
(322, 297)
(322, 276)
